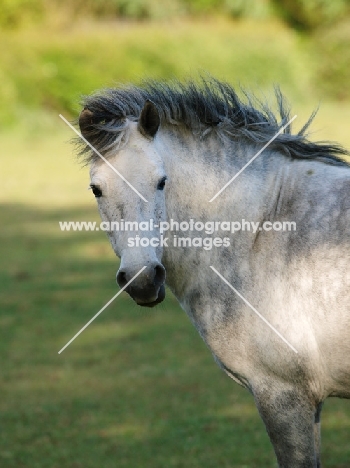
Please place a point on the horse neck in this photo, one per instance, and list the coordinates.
(199, 168)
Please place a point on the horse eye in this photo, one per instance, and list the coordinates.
(96, 191)
(161, 183)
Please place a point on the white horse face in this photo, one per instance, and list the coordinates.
(140, 164)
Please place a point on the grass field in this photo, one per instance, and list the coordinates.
(138, 389)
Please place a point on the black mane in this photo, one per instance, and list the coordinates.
(209, 106)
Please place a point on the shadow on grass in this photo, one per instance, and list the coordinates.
(137, 388)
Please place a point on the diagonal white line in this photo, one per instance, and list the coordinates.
(103, 308)
(253, 158)
(254, 310)
(103, 158)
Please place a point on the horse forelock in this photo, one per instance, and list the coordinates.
(203, 108)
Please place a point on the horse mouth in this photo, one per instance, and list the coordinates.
(148, 289)
(146, 303)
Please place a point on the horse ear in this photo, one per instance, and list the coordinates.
(85, 122)
(149, 119)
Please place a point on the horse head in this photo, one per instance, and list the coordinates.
(130, 196)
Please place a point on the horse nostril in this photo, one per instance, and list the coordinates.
(155, 276)
(121, 278)
(159, 274)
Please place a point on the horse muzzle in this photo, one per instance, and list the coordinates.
(148, 288)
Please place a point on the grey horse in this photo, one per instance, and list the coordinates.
(170, 147)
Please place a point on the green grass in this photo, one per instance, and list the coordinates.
(138, 389)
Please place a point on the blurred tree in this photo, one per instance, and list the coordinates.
(13, 13)
(143, 9)
(311, 14)
(202, 6)
(304, 14)
(331, 50)
(248, 8)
